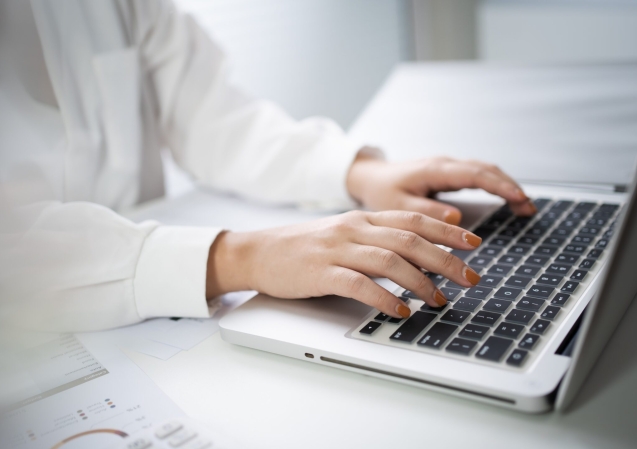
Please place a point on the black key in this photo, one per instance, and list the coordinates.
(540, 291)
(575, 249)
(609, 207)
(381, 317)
(484, 231)
(414, 325)
(394, 320)
(495, 221)
(576, 215)
(596, 222)
(508, 330)
(527, 270)
(536, 231)
(370, 327)
(519, 250)
(560, 299)
(569, 286)
(569, 224)
(428, 308)
(500, 270)
(469, 304)
(578, 275)
(500, 241)
(554, 241)
(527, 240)
(493, 349)
(517, 357)
(528, 341)
(550, 279)
(545, 250)
(544, 223)
(595, 253)
(461, 346)
(537, 260)
(497, 305)
(553, 215)
(558, 268)
(517, 281)
(451, 284)
(592, 230)
(435, 278)
(550, 312)
(540, 203)
(569, 259)
(480, 261)
(486, 318)
(490, 251)
(582, 240)
(455, 316)
(488, 280)
(437, 335)
(601, 243)
(509, 232)
(602, 214)
(562, 205)
(450, 293)
(478, 292)
(462, 254)
(409, 294)
(528, 303)
(520, 316)
(509, 259)
(561, 232)
(474, 331)
(585, 206)
(539, 327)
(508, 293)
(520, 222)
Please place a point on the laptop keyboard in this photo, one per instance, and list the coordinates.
(533, 271)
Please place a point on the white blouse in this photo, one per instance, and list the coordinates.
(128, 78)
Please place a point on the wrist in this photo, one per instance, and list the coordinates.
(228, 264)
(361, 173)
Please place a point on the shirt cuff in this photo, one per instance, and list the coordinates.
(170, 279)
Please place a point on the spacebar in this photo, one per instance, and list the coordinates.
(413, 326)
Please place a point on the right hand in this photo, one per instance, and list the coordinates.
(336, 255)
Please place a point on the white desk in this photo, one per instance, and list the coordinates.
(267, 400)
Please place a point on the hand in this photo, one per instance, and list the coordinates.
(336, 254)
(381, 185)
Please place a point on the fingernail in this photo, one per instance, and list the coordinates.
(471, 275)
(472, 239)
(452, 217)
(440, 298)
(403, 310)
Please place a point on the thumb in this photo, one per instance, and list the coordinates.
(431, 208)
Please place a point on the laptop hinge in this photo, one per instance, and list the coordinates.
(604, 188)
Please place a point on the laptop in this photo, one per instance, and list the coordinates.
(554, 287)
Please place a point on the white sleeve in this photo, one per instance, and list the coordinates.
(81, 267)
(229, 140)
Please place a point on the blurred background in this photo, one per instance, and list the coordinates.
(328, 57)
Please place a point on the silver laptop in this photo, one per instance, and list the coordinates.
(554, 287)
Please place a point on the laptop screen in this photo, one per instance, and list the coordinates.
(607, 307)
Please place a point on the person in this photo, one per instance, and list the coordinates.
(90, 93)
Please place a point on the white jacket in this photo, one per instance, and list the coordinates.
(131, 77)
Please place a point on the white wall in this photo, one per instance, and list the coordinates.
(314, 57)
(557, 30)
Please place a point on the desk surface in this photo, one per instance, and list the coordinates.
(268, 400)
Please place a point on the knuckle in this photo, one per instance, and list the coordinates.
(409, 240)
(423, 284)
(447, 260)
(413, 219)
(354, 282)
(447, 232)
(388, 260)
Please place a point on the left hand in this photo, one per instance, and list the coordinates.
(381, 185)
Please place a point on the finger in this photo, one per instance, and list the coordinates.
(351, 284)
(379, 262)
(404, 245)
(432, 230)
(432, 208)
